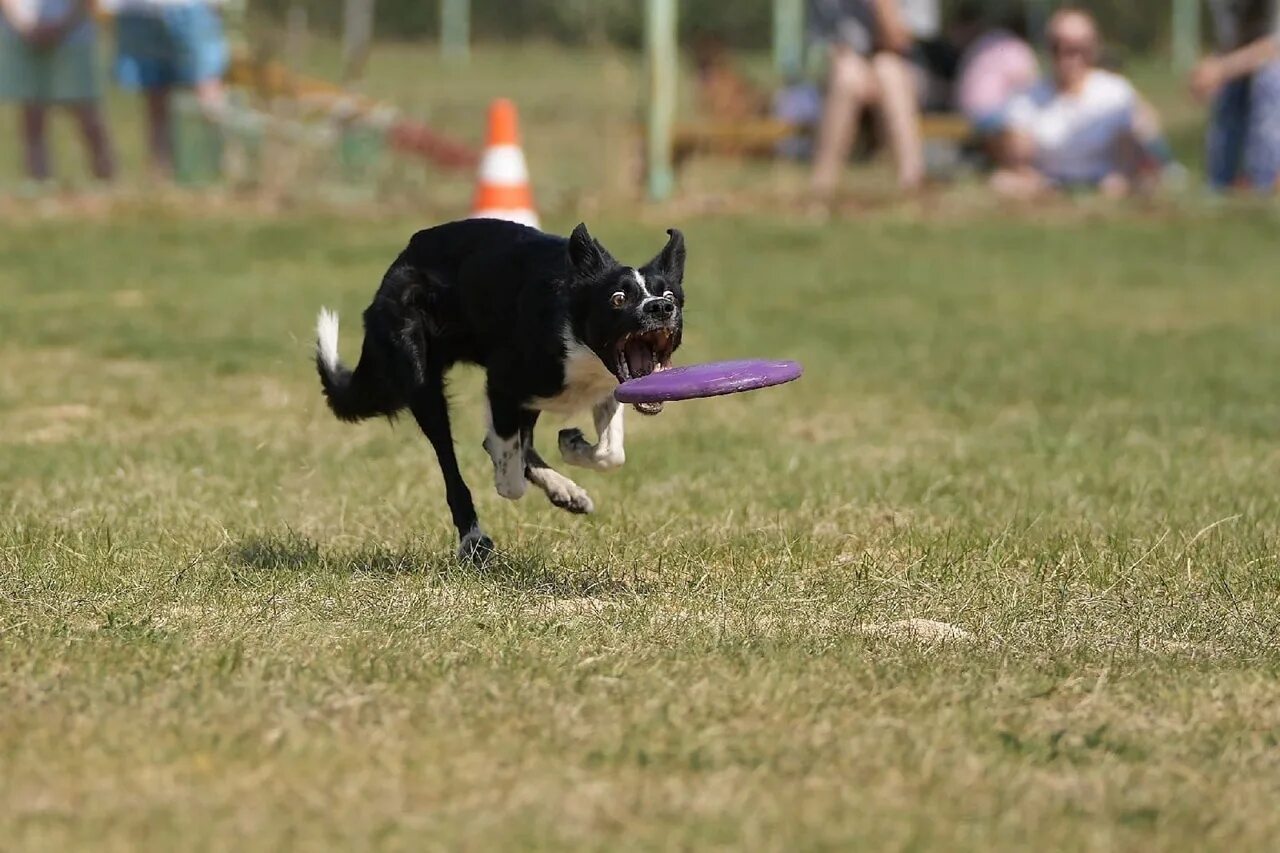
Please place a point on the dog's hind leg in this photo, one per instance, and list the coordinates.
(559, 489)
(607, 453)
(430, 408)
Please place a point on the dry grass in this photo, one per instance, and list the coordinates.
(1000, 572)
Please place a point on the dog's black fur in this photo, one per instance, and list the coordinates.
(556, 323)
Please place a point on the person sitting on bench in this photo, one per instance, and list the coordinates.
(1083, 127)
(870, 42)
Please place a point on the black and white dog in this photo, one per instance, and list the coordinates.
(555, 323)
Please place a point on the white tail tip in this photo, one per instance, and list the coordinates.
(327, 338)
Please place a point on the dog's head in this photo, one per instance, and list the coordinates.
(632, 318)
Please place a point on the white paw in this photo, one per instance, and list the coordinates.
(509, 487)
(571, 497)
(609, 461)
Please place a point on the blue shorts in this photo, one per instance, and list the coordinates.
(1244, 132)
(175, 45)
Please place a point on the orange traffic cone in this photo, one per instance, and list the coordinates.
(502, 191)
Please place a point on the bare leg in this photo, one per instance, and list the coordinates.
(1116, 185)
(35, 140)
(901, 108)
(212, 97)
(159, 131)
(1019, 183)
(96, 140)
(1016, 175)
(849, 88)
(1014, 150)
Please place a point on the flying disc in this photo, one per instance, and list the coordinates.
(713, 379)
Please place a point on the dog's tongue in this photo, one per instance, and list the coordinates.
(639, 358)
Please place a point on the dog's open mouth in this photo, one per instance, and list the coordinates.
(640, 354)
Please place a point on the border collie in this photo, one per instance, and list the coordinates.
(555, 323)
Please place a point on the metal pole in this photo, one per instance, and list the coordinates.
(788, 37)
(357, 37)
(455, 29)
(1186, 33)
(661, 49)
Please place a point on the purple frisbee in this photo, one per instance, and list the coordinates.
(707, 380)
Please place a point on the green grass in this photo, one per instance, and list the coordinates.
(230, 621)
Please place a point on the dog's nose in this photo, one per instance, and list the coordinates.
(662, 307)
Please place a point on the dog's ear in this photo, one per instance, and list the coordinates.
(586, 254)
(670, 261)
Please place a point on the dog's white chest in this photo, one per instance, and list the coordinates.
(586, 382)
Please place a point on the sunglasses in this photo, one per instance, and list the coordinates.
(1070, 49)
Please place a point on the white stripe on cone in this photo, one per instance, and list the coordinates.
(504, 165)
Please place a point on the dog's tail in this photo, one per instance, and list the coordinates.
(352, 396)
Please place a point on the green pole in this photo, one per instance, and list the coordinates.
(455, 29)
(1186, 33)
(661, 49)
(357, 38)
(788, 37)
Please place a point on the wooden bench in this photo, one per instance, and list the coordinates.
(759, 138)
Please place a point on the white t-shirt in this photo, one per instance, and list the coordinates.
(1078, 137)
(922, 17)
(28, 13)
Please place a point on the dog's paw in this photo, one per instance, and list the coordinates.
(574, 447)
(476, 548)
(510, 488)
(572, 498)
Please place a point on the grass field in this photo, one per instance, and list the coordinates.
(228, 621)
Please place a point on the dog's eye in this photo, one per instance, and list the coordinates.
(619, 299)
(669, 295)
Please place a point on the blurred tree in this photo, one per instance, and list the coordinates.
(1134, 26)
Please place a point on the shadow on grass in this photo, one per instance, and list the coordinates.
(574, 576)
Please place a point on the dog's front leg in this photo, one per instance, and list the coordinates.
(607, 453)
(504, 446)
(558, 488)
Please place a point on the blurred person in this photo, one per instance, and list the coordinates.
(1242, 79)
(870, 42)
(48, 57)
(996, 64)
(1082, 127)
(163, 45)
